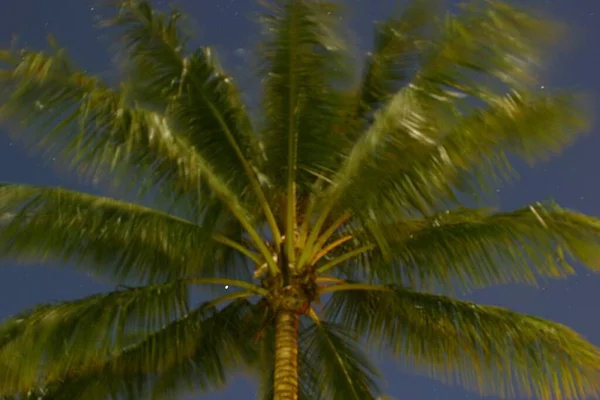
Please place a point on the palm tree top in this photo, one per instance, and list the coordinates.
(354, 187)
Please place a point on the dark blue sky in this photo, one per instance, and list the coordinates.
(571, 178)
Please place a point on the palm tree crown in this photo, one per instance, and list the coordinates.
(351, 189)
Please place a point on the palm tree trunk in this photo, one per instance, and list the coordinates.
(286, 356)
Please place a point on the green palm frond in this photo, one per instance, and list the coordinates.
(194, 91)
(151, 47)
(111, 238)
(486, 349)
(97, 128)
(393, 61)
(396, 174)
(474, 81)
(80, 333)
(301, 54)
(348, 373)
(194, 352)
(215, 351)
(416, 175)
(94, 126)
(468, 248)
(529, 126)
(487, 48)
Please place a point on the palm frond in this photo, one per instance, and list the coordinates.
(111, 238)
(487, 349)
(485, 49)
(98, 129)
(469, 248)
(151, 47)
(194, 91)
(193, 353)
(302, 54)
(93, 125)
(394, 59)
(410, 175)
(45, 342)
(473, 86)
(338, 362)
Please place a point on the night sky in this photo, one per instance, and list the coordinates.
(571, 179)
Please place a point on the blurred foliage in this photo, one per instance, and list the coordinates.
(359, 192)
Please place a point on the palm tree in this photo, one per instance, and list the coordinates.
(351, 189)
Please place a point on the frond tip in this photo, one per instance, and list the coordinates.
(468, 249)
(491, 350)
(107, 237)
(192, 352)
(78, 335)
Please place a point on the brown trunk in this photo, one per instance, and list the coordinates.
(286, 356)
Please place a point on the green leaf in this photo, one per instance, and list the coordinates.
(398, 172)
(487, 349)
(469, 102)
(123, 241)
(96, 127)
(150, 46)
(347, 371)
(193, 90)
(467, 249)
(49, 340)
(194, 353)
(302, 59)
(392, 63)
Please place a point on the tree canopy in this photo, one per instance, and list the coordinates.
(342, 219)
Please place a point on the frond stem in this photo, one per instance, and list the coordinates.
(331, 230)
(256, 238)
(324, 279)
(344, 257)
(251, 176)
(314, 234)
(354, 286)
(239, 247)
(303, 231)
(290, 227)
(231, 296)
(313, 315)
(231, 282)
(331, 247)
